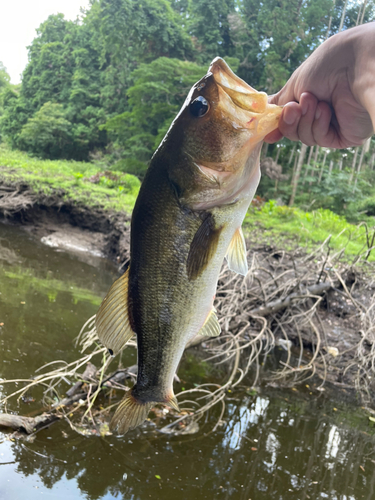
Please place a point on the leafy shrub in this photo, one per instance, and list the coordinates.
(131, 166)
(47, 134)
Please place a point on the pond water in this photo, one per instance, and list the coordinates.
(273, 445)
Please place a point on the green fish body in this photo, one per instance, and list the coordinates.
(186, 219)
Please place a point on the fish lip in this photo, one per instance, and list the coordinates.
(219, 68)
(240, 92)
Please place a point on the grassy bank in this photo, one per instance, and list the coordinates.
(82, 182)
(92, 185)
(290, 227)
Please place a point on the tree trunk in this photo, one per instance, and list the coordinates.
(343, 16)
(330, 20)
(277, 155)
(322, 167)
(363, 11)
(360, 164)
(353, 165)
(330, 168)
(308, 164)
(292, 154)
(297, 173)
(315, 161)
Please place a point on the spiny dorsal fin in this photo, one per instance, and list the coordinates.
(211, 327)
(236, 254)
(202, 248)
(129, 414)
(112, 319)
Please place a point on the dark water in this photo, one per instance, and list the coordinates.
(273, 445)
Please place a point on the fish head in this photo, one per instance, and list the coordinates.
(217, 137)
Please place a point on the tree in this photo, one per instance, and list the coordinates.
(159, 91)
(14, 116)
(48, 133)
(4, 78)
(134, 32)
(64, 68)
(272, 41)
(209, 25)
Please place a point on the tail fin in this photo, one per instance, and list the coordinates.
(130, 414)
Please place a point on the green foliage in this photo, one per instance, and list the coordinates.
(134, 32)
(159, 90)
(335, 191)
(14, 116)
(209, 25)
(113, 81)
(48, 133)
(272, 41)
(309, 228)
(4, 78)
(90, 66)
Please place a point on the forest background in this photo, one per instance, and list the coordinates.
(105, 88)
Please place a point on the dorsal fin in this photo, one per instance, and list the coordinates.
(112, 319)
(236, 254)
(202, 248)
(211, 327)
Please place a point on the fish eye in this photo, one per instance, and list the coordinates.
(199, 107)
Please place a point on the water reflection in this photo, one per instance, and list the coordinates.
(274, 445)
(268, 448)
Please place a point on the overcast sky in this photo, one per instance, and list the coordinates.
(18, 21)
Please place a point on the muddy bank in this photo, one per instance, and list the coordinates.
(64, 224)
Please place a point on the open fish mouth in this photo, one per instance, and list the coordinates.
(247, 107)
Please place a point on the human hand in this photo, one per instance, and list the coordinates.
(329, 99)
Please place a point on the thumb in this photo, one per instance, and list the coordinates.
(286, 94)
(274, 98)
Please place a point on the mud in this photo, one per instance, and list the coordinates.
(67, 225)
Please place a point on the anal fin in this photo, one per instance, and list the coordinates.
(236, 254)
(211, 327)
(112, 319)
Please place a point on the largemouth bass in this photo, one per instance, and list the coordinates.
(186, 219)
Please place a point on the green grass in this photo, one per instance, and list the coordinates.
(290, 226)
(71, 179)
(277, 224)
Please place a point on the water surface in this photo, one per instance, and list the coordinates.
(273, 445)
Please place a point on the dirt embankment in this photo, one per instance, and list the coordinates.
(59, 222)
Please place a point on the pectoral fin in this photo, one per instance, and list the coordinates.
(112, 319)
(202, 248)
(236, 255)
(211, 327)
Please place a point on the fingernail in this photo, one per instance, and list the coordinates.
(290, 115)
(318, 112)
